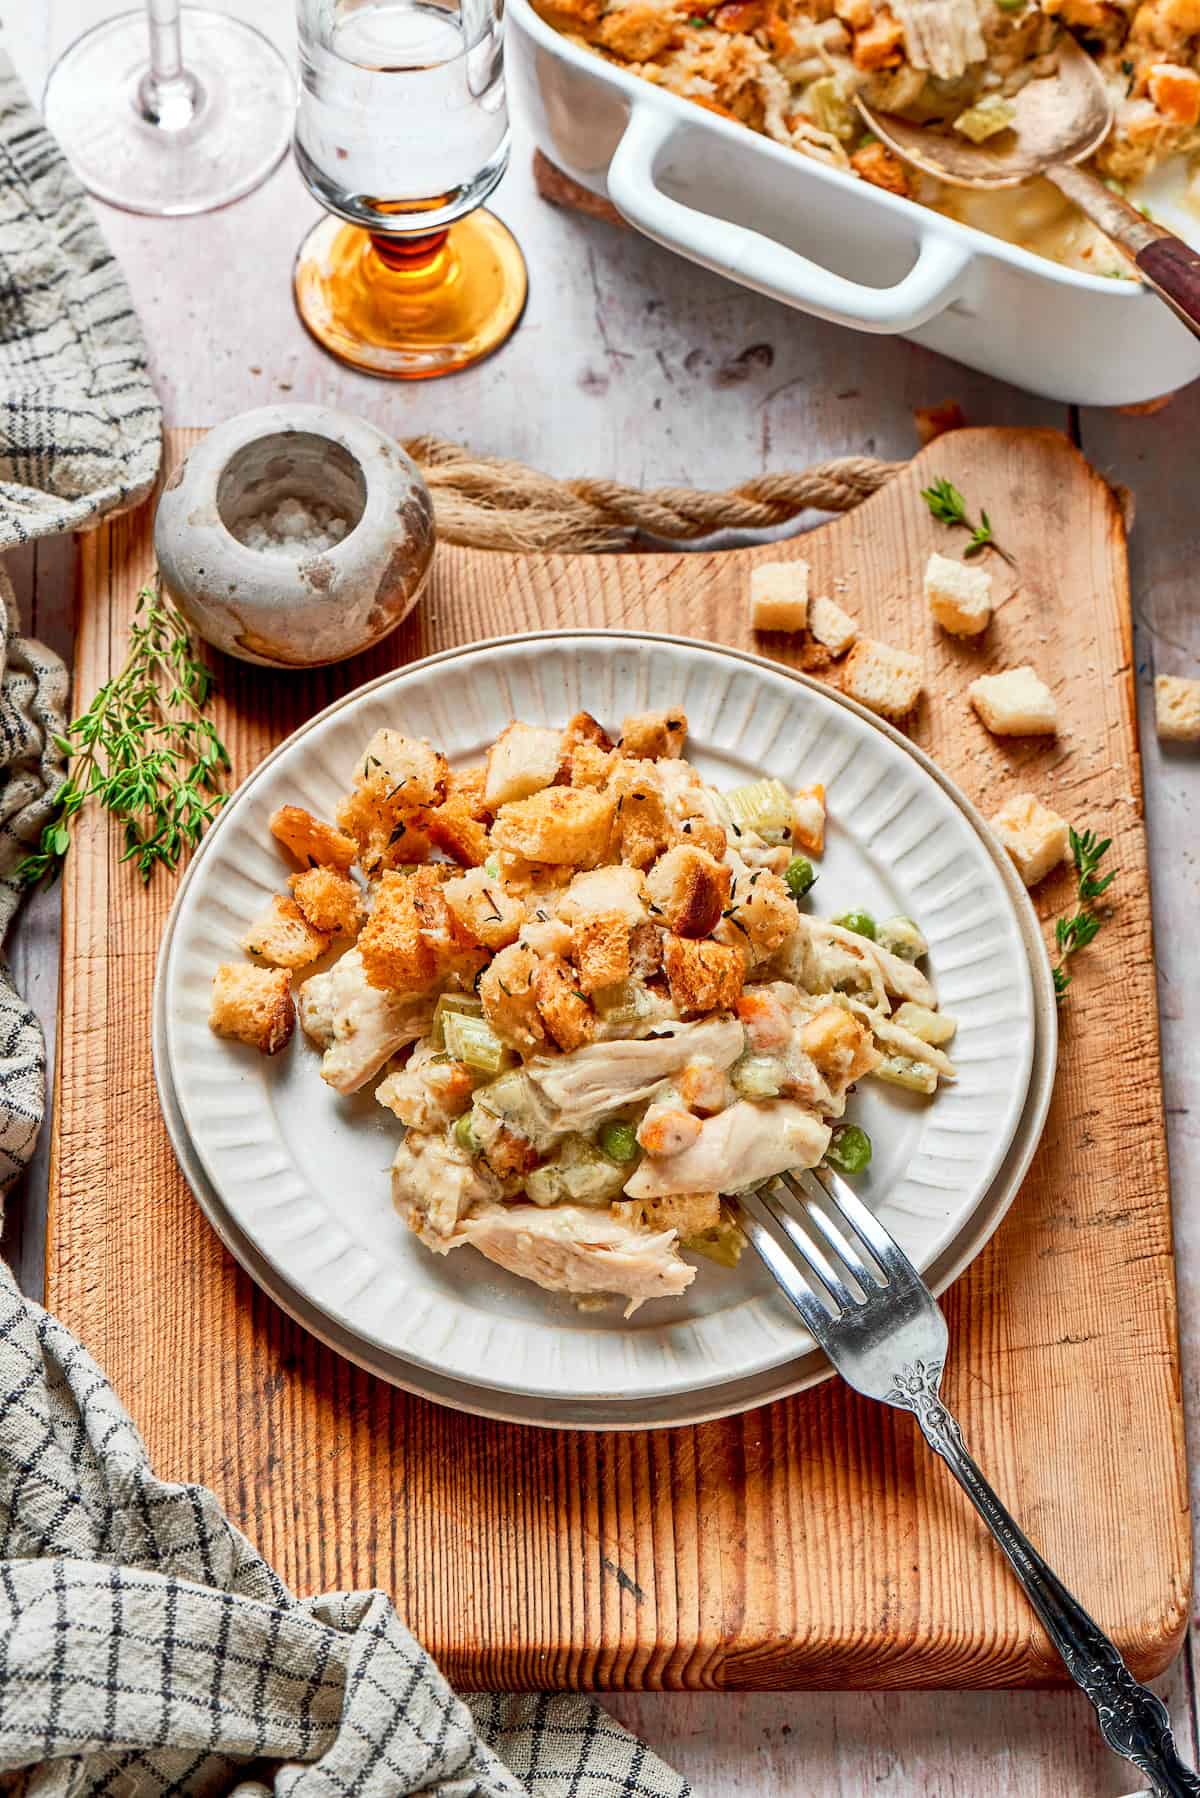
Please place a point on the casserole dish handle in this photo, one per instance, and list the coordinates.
(759, 262)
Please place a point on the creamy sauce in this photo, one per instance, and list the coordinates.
(1037, 217)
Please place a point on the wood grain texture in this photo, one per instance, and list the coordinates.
(812, 1543)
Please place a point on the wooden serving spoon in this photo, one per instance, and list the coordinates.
(1060, 120)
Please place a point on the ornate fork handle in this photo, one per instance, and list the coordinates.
(1133, 1720)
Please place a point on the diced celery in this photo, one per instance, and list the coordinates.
(987, 118)
(448, 1003)
(625, 1002)
(902, 1070)
(934, 1027)
(472, 1040)
(578, 1172)
(902, 937)
(831, 110)
(761, 805)
(723, 1243)
(757, 1076)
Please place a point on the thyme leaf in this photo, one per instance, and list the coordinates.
(143, 751)
(948, 506)
(1075, 930)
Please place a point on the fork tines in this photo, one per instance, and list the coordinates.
(837, 1255)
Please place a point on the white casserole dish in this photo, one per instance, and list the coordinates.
(828, 243)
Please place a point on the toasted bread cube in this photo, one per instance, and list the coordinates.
(884, 679)
(830, 626)
(509, 1001)
(313, 843)
(412, 937)
(253, 1005)
(959, 597)
(395, 954)
(583, 728)
(484, 908)
(523, 759)
(839, 1044)
(645, 950)
(282, 935)
(642, 824)
(808, 819)
(761, 916)
(702, 976)
(562, 1007)
(1177, 709)
(935, 421)
(687, 1213)
(779, 596)
(697, 828)
(1016, 703)
(1176, 92)
(880, 45)
(561, 825)
(387, 835)
(453, 829)
(654, 736)
(402, 771)
(688, 888)
(638, 31)
(600, 950)
(1035, 837)
(589, 765)
(330, 901)
(601, 892)
(465, 786)
(882, 168)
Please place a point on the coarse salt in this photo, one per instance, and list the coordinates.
(293, 527)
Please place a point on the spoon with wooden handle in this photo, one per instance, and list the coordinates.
(1060, 119)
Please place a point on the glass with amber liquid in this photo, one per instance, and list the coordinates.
(401, 133)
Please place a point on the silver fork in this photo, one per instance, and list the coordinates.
(880, 1325)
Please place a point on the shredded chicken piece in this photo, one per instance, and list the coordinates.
(434, 1184)
(735, 1149)
(943, 36)
(580, 1088)
(579, 1248)
(358, 1025)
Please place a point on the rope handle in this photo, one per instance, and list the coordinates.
(487, 502)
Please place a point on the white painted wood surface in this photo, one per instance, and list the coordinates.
(630, 362)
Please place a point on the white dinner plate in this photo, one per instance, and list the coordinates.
(302, 1173)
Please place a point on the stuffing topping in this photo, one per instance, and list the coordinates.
(587, 984)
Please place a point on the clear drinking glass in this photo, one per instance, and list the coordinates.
(171, 110)
(401, 133)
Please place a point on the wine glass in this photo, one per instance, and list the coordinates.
(401, 133)
(171, 110)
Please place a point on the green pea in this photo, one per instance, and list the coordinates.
(849, 1149)
(618, 1141)
(464, 1135)
(860, 922)
(799, 875)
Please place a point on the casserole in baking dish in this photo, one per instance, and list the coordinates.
(822, 240)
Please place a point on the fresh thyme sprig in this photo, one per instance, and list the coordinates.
(948, 506)
(142, 750)
(1076, 930)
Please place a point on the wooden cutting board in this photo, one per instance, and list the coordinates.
(811, 1543)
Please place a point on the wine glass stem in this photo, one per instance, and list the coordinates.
(408, 253)
(167, 95)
